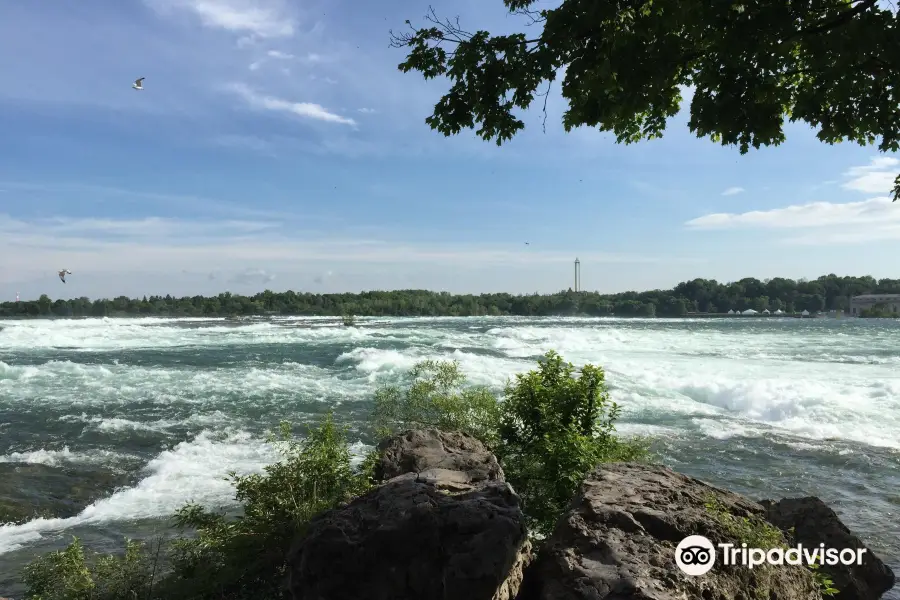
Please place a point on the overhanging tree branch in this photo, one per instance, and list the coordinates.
(841, 20)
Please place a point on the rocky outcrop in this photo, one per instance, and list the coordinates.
(431, 450)
(814, 523)
(444, 526)
(619, 538)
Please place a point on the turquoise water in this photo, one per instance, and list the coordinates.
(119, 421)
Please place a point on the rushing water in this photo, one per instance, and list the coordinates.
(152, 413)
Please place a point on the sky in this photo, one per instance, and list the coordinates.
(277, 145)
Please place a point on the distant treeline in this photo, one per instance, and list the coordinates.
(828, 292)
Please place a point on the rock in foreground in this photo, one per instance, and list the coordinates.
(815, 523)
(445, 526)
(618, 540)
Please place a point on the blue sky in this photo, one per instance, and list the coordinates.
(277, 145)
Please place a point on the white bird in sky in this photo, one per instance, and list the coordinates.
(138, 83)
(63, 273)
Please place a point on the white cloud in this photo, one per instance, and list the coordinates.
(825, 223)
(875, 178)
(259, 18)
(110, 246)
(815, 214)
(733, 191)
(252, 276)
(302, 109)
(366, 111)
(858, 235)
(150, 228)
(278, 54)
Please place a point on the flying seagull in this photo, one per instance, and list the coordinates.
(138, 83)
(63, 273)
(527, 244)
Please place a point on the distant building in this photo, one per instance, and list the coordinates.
(889, 302)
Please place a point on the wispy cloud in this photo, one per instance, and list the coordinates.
(135, 245)
(823, 223)
(271, 55)
(145, 198)
(875, 178)
(814, 214)
(252, 276)
(733, 191)
(366, 111)
(306, 110)
(260, 18)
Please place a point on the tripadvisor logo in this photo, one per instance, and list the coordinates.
(695, 555)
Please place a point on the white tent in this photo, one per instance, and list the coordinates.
(766, 311)
(779, 312)
(730, 312)
(805, 313)
(749, 311)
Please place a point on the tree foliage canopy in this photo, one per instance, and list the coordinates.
(833, 64)
(828, 292)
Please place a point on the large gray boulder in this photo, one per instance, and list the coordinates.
(618, 542)
(814, 523)
(417, 451)
(444, 526)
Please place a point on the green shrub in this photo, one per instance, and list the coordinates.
(223, 558)
(69, 575)
(556, 427)
(437, 397)
(551, 428)
(244, 557)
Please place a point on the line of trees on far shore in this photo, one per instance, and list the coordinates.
(826, 293)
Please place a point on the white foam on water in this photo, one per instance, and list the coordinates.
(672, 378)
(103, 335)
(658, 370)
(215, 418)
(192, 471)
(80, 386)
(39, 457)
(381, 364)
(55, 458)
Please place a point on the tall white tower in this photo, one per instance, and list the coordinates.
(577, 275)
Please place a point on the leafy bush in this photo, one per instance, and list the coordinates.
(225, 558)
(438, 397)
(66, 574)
(555, 428)
(244, 557)
(551, 428)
